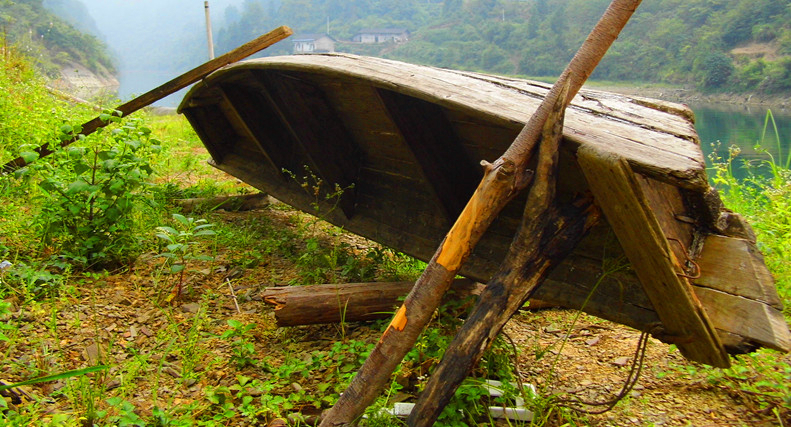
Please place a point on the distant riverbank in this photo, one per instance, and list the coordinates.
(741, 101)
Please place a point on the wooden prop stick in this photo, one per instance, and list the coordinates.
(546, 235)
(501, 182)
(166, 89)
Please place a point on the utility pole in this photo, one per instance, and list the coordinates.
(208, 30)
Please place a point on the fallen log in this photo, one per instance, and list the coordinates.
(349, 302)
(245, 202)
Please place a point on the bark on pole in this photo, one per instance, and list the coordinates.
(502, 180)
(546, 235)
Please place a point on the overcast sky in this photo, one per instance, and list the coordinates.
(148, 37)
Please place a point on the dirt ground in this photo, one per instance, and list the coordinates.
(115, 319)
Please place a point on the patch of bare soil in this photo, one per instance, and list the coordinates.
(754, 50)
(167, 355)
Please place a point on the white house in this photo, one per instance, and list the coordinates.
(313, 43)
(382, 35)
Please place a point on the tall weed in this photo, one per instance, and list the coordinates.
(764, 197)
(91, 192)
(762, 379)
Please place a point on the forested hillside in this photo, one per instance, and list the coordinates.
(714, 44)
(51, 42)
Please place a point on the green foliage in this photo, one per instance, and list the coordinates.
(764, 196)
(49, 40)
(181, 246)
(32, 281)
(715, 70)
(241, 346)
(759, 379)
(665, 42)
(92, 192)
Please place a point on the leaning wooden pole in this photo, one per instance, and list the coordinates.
(501, 182)
(547, 234)
(164, 90)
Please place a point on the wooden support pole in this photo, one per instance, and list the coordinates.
(547, 234)
(502, 180)
(164, 90)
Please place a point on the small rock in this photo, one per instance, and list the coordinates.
(621, 361)
(172, 372)
(296, 387)
(91, 354)
(552, 329)
(192, 307)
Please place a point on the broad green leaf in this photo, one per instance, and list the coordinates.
(176, 268)
(205, 233)
(81, 168)
(29, 156)
(175, 247)
(181, 218)
(107, 154)
(78, 186)
(169, 230)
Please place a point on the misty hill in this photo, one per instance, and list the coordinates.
(52, 42)
(714, 44)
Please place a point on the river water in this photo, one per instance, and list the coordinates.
(720, 126)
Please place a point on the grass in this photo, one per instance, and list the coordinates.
(189, 357)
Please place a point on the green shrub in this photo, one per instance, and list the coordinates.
(92, 191)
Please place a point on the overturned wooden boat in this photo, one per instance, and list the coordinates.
(403, 142)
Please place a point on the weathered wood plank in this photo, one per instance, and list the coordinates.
(332, 153)
(749, 324)
(433, 141)
(620, 197)
(735, 266)
(657, 152)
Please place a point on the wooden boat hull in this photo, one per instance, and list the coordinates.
(403, 143)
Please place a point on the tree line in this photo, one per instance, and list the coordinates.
(671, 41)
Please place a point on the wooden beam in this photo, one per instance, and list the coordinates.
(349, 302)
(213, 129)
(620, 197)
(430, 137)
(255, 118)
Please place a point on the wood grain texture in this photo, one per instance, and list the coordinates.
(349, 302)
(619, 195)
